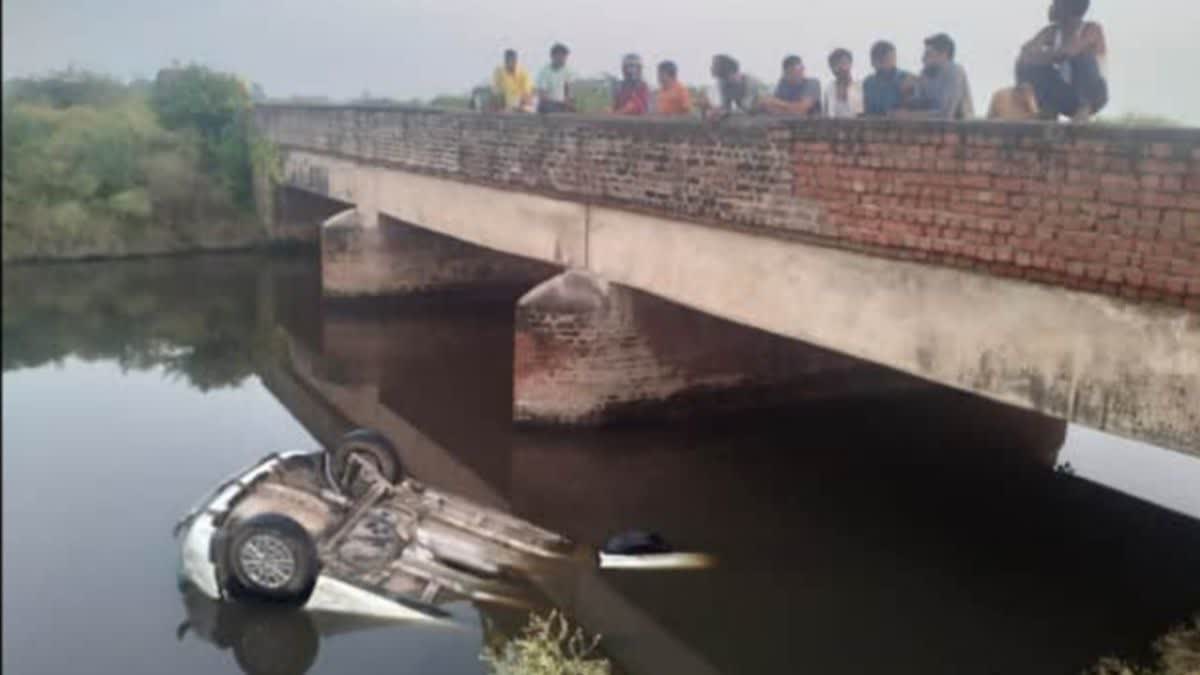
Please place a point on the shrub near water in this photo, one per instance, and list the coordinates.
(548, 645)
(95, 167)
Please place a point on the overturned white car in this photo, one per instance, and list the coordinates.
(345, 531)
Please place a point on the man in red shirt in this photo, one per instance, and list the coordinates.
(631, 96)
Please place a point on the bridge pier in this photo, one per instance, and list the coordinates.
(591, 352)
(391, 258)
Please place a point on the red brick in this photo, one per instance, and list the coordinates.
(1159, 166)
(1159, 200)
(1118, 181)
(1171, 183)
(1161, 150)
(1078, 191)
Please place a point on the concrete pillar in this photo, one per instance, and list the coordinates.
(395, 258)
(589, 352)
(297, 215)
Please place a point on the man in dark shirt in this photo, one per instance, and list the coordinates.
(888, 89)
(1065, 63)
(795, 94)
(942, 91)
(739, 91)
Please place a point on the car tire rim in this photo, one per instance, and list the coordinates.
(267, 561)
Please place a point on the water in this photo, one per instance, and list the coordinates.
(861, 536)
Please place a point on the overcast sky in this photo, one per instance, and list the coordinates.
(418, 48)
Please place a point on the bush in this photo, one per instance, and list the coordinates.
(71, 87)
(217, 106)
(548, 646)
(89, 163)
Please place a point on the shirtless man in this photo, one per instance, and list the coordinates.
(1065, 63)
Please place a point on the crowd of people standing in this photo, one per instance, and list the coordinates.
(1059, 72)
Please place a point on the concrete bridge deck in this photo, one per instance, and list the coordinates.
(1050, 267)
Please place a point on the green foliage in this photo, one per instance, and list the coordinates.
(142, 314)
(217, 106)
(593, 95)
(92, 165)
(451, 102)
(71, 87)
(548, 645)
(1139, 120)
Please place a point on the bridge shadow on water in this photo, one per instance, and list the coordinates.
(882, 534)
(856, 535)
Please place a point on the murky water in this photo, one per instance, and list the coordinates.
(854, 536)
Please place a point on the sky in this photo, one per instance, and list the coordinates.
(419, 48)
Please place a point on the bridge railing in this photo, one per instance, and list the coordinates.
(1107, 209)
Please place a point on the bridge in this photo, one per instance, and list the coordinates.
(1055, 269)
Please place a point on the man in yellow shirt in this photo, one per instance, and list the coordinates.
(512, 85)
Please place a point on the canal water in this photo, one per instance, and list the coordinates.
(867, 535)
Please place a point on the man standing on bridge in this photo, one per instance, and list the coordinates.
(844, 94)
(631, 96)
(739, 91)
(672, 98)
(512, 86)
(942, 91)
(796, 94)
(886, 90)
(554, 83)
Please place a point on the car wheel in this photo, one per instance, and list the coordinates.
(366, 444)
(271, 641)
(272, 557)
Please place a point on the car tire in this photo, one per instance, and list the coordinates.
(371, 445)
(271, 557)
(274, 641)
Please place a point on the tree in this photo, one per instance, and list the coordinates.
(217, 106)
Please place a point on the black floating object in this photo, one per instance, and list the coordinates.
(636, 542)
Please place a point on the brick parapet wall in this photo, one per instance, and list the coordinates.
(1103, 209)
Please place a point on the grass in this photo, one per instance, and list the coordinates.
(548, 645)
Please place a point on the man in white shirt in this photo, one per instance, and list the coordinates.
(554, 83)
(843, 98)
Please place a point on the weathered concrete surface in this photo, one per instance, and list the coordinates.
(1112, 210)
(1108, 364)
(727, 224)
(1114, 365)
(297, 215)
(589, 352)
(393, 258)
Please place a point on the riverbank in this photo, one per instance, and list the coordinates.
(229, 237)
(104, 243)
(99, 168)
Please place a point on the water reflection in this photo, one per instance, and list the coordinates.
(265, 639)
(838, 526)
(198, 325)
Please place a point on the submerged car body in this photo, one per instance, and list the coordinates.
(284, 529)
